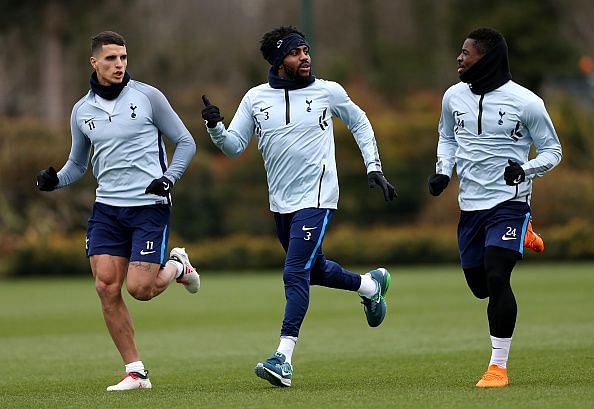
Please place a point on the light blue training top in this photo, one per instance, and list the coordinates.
(128, 148)
(480, 133)
(294, 132)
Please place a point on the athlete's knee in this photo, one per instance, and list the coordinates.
(497, 283)
(318, 273)
(296, 277)
(107, 291)
(479, 292)
(141, 292)
(323, 272)
(316, 279)
(477, 282)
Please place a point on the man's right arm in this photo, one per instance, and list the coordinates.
(446, 150)
(78, 160)
(232, 141)
(446, 145)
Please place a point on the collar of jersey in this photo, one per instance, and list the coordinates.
(108, 92)
(291, 84)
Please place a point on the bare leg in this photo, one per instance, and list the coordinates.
(109, 272)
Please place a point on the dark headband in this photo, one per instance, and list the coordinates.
(284, 47)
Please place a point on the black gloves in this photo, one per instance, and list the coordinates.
(47, 180)
(437, 183)
(211, 113)
(514, 174)
(378, 178)
(160, 187)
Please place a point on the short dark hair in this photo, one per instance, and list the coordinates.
(106, 38)
(269, 40)
(485, 39)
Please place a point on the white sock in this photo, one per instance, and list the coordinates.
(286, 347)
(136, 366)
(499, 351)
(368, 286)
(179, 266)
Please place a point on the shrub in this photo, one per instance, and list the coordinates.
(57, 255)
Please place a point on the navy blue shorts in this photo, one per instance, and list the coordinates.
(502, 226)
(139, 233)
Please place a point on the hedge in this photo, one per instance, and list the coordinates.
(59, 255)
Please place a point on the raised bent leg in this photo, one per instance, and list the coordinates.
(327, 273)
(147, 280)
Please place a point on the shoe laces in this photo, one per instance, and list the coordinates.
(276, 360)
(374, 300)
(491, 376)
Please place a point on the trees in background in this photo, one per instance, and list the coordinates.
(394, 58)
(395, 47)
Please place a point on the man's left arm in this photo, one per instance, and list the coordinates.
(357, 122)
(167, 120)
(548, 147)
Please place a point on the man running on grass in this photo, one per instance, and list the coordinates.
(291, 118)
(122, 121)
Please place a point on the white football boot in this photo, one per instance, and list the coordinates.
(132, 380)
(189, 278)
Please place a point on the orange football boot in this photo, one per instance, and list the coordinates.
(532, 240)
(495, 377)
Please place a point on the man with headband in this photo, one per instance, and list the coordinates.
(488, 124)
(291, 119)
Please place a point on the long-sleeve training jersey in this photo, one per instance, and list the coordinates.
(128, 148)
(295, 135)
(480, 133)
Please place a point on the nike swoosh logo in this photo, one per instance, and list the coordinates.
(89, 120)
(264, 109)
(144, 253)
(458, 113)
(308, 228)
(506, 238)
(285, 373)
(165, 186)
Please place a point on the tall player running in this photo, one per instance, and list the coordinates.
(488, 124)
(291, 117)
(122, 120)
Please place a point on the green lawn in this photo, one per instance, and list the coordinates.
(429, 352)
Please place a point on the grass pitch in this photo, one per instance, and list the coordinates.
(55, 351)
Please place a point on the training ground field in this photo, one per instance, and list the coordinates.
(201, 349)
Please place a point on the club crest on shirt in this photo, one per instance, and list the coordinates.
(308, 102)
(501, 114)
(133, 107)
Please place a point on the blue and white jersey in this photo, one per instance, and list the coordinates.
(128, 148)
(479, 133)
(294, 132)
